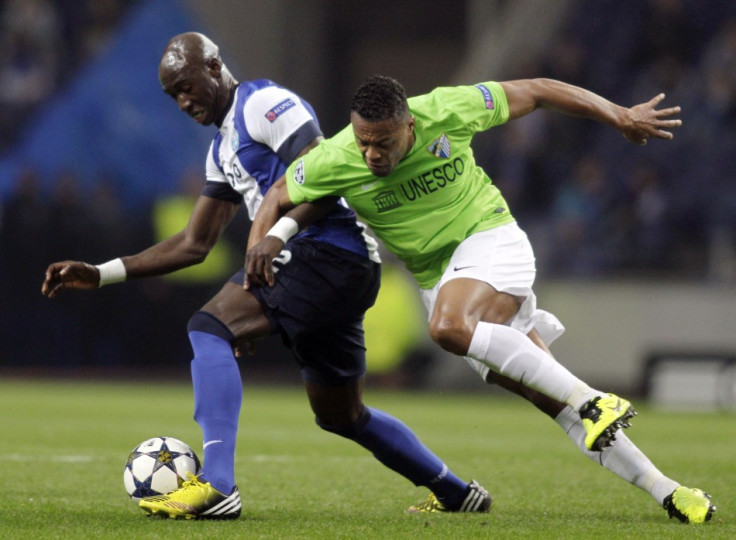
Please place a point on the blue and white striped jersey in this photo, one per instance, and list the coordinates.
(261, 134)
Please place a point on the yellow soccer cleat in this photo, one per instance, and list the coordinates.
(602, 418)
(477, 500)
(689, 505)
(193, 500)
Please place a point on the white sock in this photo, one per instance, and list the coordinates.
(623, 459)
(509, 352)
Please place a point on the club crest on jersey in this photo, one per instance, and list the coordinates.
(487, 96)
(280, 109)
(235, 141)
(440, 147)
(299, 172)
(386, 200)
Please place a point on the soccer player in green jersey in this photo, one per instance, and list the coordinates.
(406, 166)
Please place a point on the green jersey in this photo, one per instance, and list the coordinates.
(436, 196)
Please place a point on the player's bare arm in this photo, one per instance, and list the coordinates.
(637, 124)
(186, 248)
(275, 204)
(262, 247)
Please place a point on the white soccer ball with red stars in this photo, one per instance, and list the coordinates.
(157, 466)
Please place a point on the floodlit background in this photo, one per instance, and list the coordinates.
(636, 246)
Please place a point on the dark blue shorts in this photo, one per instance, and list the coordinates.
(317, 304)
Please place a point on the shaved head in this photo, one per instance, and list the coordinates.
(192, 72)
(190, 48)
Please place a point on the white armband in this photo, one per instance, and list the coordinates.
(284, 229)
(111, 272)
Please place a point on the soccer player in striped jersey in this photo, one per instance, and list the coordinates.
(329, 276)
(407, 167)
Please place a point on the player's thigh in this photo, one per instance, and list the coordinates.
(240, 311)
(472, 300)
(488, 276)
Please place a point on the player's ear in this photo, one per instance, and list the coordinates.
(214, 67)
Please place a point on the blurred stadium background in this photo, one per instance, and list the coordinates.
(636, 247)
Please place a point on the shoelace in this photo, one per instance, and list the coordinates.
(193, 481)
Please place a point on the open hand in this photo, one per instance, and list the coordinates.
(644, 121)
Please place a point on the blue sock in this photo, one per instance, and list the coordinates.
(218, 394)
(399, 449)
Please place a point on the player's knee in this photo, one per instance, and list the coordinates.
(207, 323)
(346, 425)
(451, 333)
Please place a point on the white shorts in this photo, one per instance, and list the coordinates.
(503, 258)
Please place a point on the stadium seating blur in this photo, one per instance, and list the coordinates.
(597, 208)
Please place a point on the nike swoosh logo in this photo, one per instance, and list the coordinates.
(205, 445)
(366, 187)
(617, 408)
(458, 268)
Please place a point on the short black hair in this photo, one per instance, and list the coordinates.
(380, 98)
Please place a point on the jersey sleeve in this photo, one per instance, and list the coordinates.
(306, 180)
(217, 186)
(478, 107)
(279, 119)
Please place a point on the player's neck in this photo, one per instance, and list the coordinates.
(229, 103)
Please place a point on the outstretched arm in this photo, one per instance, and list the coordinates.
(276, 203)
(267, 239)
(186, 248)
(636, 124)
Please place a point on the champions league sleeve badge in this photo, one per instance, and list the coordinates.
(299, 172)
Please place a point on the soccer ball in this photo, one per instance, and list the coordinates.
(157, 466)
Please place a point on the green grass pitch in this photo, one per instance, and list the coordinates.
(65, 443)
